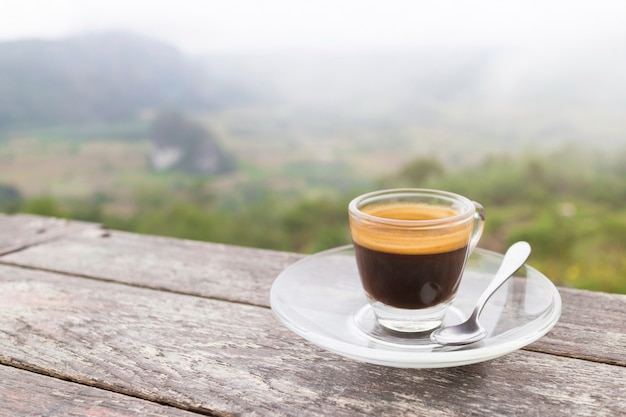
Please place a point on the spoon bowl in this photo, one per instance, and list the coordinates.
(470, 331)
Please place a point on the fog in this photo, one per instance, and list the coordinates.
(576, 94)
(201, 26)
(372, 59)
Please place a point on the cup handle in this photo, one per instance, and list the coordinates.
(479, 225)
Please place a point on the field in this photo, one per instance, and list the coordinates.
(292, 185)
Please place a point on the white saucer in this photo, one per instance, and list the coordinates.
(320, 298)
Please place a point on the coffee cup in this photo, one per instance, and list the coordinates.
(411, 246)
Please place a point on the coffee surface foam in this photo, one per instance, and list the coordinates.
(409, 211)
(410, 240)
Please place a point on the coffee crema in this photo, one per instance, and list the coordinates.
(406, 270)
(400, 240)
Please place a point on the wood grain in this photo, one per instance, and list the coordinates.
(21, 231)
(24, 393)
(589, 327)
(225, 358)
(207, 269)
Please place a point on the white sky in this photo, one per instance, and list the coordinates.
(200, 26)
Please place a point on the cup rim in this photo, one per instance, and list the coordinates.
(467, 213)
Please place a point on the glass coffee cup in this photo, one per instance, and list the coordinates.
(411, 246)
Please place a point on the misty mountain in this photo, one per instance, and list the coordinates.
(359, 83)
(583, 74)
(565, 93)
(495, 98)
(99, 77)
(181, 144)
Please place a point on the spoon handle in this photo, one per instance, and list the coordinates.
(513, 260)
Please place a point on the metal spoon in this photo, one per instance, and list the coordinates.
(471, 331)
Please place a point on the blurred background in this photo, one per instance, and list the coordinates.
(255, 123)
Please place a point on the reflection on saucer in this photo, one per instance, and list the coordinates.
(365, 321)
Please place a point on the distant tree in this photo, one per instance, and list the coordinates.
(313, 224)
(416, 173)
(44, 206)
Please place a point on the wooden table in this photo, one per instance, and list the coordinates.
(107, 323)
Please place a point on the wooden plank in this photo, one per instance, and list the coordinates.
(591, 327)
(229, 358)
(23, 230)
(24, 393)
(246, 275)
(191, 267)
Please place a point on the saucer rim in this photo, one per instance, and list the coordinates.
(455, 356)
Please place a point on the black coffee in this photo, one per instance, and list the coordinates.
(410, 281)
(406, 270)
